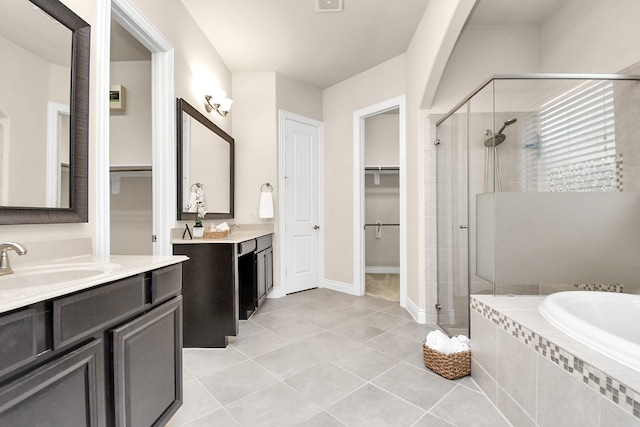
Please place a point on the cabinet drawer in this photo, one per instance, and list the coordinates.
(83, 314)
(18, 335)
(165, 283)
(263, 243)
(246, 247)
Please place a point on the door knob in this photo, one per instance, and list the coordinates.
(316, 227)
(462, 227)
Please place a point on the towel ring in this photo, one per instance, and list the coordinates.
(196, 185)
(266, 184)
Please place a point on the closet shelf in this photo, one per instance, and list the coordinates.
(127, 171)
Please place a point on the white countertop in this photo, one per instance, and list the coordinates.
(235, 237)
(45, 280)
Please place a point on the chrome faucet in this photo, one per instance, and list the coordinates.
(5, 265)
(231, 227)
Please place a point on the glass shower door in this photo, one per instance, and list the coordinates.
(452, 161)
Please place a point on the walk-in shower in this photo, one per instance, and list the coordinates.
(491, 161)
(555, 134)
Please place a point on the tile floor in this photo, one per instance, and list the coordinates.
(324, 358)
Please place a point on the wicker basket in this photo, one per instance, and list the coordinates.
(450, 366)
(215, 234)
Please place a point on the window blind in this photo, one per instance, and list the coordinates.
(577, 142)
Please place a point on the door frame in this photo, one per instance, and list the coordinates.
(163, 123)
(283, 116)
(54, 112)
(398, 102)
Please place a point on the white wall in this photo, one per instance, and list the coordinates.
(382, 134)
(481, 52)
(591, 36)
(130, 130)
(378, 84)
(256, 141)
(298, 97)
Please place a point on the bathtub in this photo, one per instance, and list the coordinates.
(605, 321)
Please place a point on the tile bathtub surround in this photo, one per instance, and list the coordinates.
(518, 346)
(323, 358)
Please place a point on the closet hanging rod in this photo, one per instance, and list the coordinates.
(141, 168)
(382, 168)
(382, 225)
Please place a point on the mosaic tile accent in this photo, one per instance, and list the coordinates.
(619, 172)
(612, 389)
(601, 287)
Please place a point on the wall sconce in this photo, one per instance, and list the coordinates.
(218, 102)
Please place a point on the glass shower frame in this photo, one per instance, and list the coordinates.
(465, 168)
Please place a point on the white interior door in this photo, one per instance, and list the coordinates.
(301, 206)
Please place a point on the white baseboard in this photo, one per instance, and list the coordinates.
(339, 286)
(277, 293)
(382, 269)
(419, 315)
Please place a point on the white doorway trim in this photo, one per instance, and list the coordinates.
(283, 117)
(162, 123)
(358, 192)
(4, 152)
(55, 111)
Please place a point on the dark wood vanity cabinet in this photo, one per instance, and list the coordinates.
(223, 283)
(106, 356)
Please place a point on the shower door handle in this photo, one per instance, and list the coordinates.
(462, 227)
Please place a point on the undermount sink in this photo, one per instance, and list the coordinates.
(51, 274)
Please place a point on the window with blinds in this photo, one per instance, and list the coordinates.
(577, 142)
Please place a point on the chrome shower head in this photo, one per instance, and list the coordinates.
(507, 123)
(495, 140)
(498, 138)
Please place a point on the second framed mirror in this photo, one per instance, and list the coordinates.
(205, 165)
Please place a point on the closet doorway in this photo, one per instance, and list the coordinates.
(382, 205)
(130, 145)
(380, 201)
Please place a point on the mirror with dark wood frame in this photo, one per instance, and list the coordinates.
(44, 112)
(205, 162)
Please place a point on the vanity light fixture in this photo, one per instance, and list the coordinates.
(218, 102)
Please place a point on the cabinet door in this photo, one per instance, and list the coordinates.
(261, 268)
(18, 338)
(147, 367)
(67, 391)
(268, 261)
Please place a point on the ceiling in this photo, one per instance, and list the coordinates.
(323, 48)
(35, 31)
(290, 37)
(514, 12)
